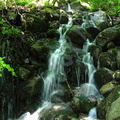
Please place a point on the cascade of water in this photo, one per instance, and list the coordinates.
(88, 88)
(55, 74)
(56, 65)
(69, 9)
(87, 60)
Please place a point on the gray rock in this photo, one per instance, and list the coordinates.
(114, 112)
(57, 111)
(110, 34)
(107, 59)
(103, 76)
(77, 35)
(34, 24)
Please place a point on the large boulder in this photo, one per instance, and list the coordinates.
(116, 75)
(107, 88)
(114, 112)
(28, 93)
(118, 59)
(106, 106)
(100, 19)
(110, 34)
(34, 24)
(107, 59)
(50, 13)
(78, 35)
(40, 50)
(57, 111)
(103, 76)
(83, 104)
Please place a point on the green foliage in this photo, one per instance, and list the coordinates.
(112, 7)
(7, 29)
(119, 92)
(3, 66)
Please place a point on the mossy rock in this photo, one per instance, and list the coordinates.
(34, 23)
(110, 34)
(24, 73)
(51, 13)
(103, 76)
(107, 59)
(108, 87)
(118, 59)
(114, 112)
(63, 18)
(78, 36)
(83, 104)
(58, 111)
(106, 105)
(95, 51)
(116, 75)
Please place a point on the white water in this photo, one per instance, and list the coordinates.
(56, 74)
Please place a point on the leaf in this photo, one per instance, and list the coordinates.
(118, 92)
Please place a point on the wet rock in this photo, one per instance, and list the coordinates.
(118, 58)
(34, 24)
(39, 51)
(28, 93)
(32, 86)
(53, 33)
(78, 35)
(107, 59)
(63, 18)
(116, 75)
(83, 104)
(51, 14)
(100, 19)
(103, 76)
(95, 51)
(108, 87)
(93, 31)
(110, 34)
(105, 106)
(110, 45)
(77, 21)
(58, 111)
(114, 112)
(61, 96)
(101, 110)
(24, 73)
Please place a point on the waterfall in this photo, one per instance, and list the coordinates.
(56, 74)
(56, 71)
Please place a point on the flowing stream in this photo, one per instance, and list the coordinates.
(56, 74)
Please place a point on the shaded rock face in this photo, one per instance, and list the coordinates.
(78, 35)
(114, 112)
(83, 104)
(107, 60)
(30, 23)
(116, 75)
(108, 87)
(95, 51)
(102, 76)
(108, 35)
(58, 111)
